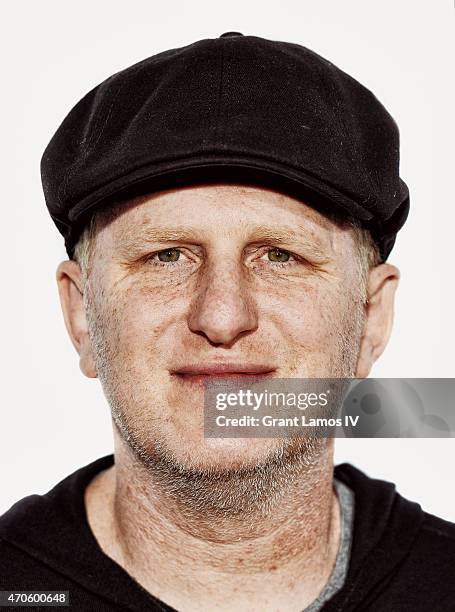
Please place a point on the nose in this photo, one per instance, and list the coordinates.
(223, 308)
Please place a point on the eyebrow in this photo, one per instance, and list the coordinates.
(158, 234)
(298, 235)
(135, 239)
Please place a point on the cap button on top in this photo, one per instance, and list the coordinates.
(230, 34)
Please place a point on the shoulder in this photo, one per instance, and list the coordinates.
(21, 570)
(47, 528)
(27, 517)
(404, 555)
(424, 579)
(435, 541)
(25, 558)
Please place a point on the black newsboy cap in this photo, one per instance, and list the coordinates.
(233, 108)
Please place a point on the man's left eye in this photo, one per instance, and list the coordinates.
(169, 255)
(278, 255)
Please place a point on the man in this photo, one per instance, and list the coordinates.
(228, 209)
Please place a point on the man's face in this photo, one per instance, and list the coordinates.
(211, 280)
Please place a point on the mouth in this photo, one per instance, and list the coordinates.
(200, 373)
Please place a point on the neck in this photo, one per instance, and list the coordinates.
(158, 530)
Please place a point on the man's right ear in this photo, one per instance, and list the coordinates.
(69, 281)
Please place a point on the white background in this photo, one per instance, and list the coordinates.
(53, 420)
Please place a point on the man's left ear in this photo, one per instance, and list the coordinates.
(382, 285)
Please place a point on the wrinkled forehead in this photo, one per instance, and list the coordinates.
(218, 210)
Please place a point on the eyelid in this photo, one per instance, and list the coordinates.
(310, 259)
(155, 253)
(154, 256)
(267, 248)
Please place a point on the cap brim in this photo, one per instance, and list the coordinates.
(320, 195)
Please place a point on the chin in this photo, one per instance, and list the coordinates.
(231, 456)
(217, 454)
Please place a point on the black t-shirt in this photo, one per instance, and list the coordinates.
(402, 559)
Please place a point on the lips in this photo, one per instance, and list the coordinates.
(201, 372)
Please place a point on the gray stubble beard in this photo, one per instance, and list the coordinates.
(246, 492)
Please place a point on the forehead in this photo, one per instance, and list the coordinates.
(216, 209)
(221, 218)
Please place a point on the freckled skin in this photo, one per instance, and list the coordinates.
(223, 298)
(193, 520)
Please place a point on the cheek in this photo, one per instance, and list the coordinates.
(149, 318)
(305, 316)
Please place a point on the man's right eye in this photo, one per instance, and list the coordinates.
(278, 255)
